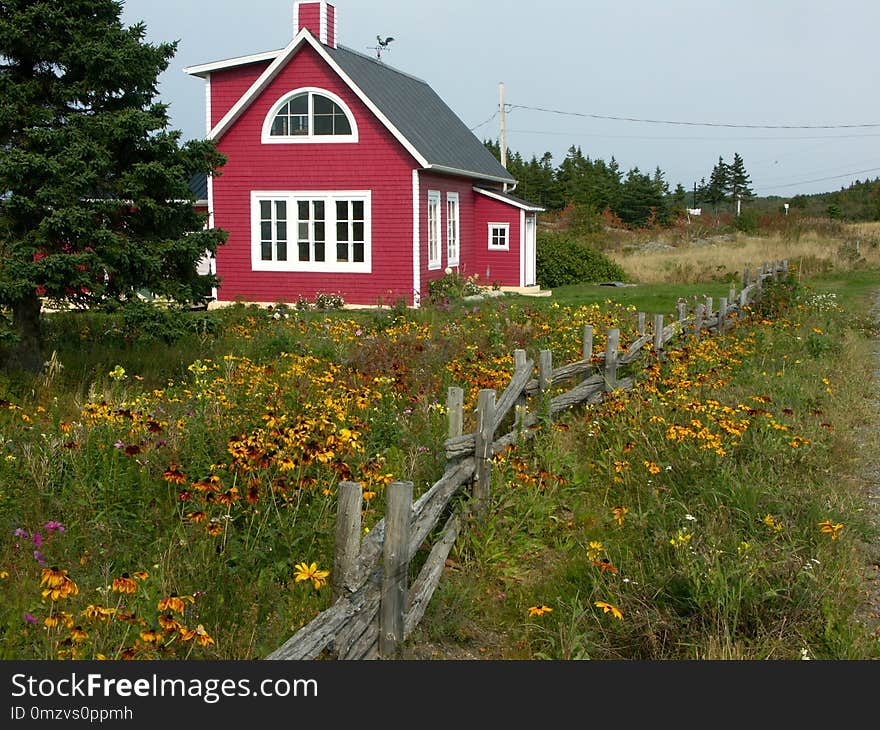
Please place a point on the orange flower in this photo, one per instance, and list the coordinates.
(619, 514)
(174, 603)
(608, 608)
(174, 475)
(826, 528)
(124, 584)
(57, 583)
(539, 610)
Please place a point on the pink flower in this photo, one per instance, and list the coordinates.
(30, 618)
(53, 526)
(38, 539)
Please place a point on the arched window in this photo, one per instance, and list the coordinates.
(309, 115)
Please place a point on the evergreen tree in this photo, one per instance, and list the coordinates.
(641, 202)
(739, 181)
(94, 196)
(719, 183)
(679, 197)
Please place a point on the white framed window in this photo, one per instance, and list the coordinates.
(499, 236)
(434, 253)
(453, 242)
(309, 115)
(326, 231)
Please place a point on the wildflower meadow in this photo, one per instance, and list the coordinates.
(171, 494)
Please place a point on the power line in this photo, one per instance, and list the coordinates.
(482, 124)
(694, 139)
(694, 124)
(823, 179)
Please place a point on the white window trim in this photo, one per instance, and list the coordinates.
(330, 197)
(453, 255)
(506, 227)
(267, 137)
(435, 231)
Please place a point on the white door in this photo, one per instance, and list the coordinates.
(529, 253)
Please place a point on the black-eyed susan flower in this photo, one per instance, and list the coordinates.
(78, 634)
(124, 584)
(608, 608)
(306, 572)
(619, 514)
(539, 610)
(57, 584)
(174, 603)
(826, 528)
(98, 612)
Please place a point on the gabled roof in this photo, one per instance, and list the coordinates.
(508, 198)
(408, 107)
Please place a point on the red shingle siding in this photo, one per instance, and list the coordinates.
(503, 266)
(310, 17)
(229, 85)
(377, 163)
(331, 26)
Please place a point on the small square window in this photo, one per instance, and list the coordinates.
(499, 236)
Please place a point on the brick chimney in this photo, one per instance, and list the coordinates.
(319, 17)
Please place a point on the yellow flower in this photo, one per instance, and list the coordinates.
(310, 572)
(652, 467)
(773, 523)
(608, 608)
(828, 529)
(124, 584)
(539, 610)
(174, 603)
(595, 549)
(117, 373)
(619, 513)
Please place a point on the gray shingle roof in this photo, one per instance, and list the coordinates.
(420, 115)
(198, 185)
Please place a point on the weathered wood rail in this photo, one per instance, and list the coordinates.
(374, 609)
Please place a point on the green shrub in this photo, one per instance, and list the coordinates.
(452, 286)
(562, 260)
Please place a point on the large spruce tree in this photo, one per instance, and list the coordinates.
(739, 183)
(94, 196)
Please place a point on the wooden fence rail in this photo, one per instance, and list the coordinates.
(373, 609)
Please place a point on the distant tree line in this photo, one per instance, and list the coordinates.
(637, 199)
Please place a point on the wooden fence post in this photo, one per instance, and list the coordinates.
(455, 411)
(731, 295)
(785, 268)
(709, 310)
(642, 325)
(612, 355)
(519, 409)
(545, 372)
(398, 522)
(698, 319)
(722, 315)
(587, 349)
(348, 536)
(746, 278)
(682, 311)
(484, 436)
(658, 333)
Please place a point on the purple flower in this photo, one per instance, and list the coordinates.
(119, 445)
(19, 532)
(39, 557)
(38, 539)
(53, 526)
(30, 618)
(358, 333)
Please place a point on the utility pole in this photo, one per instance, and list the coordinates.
(502, 110)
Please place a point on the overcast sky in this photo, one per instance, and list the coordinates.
(709, 65)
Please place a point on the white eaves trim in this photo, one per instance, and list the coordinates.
(304, 36)
(506, 199)
(207, 68)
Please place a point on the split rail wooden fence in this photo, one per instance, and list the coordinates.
(374, 609)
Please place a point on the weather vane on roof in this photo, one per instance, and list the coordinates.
(383, 46)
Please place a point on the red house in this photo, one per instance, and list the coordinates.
(347, 176)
